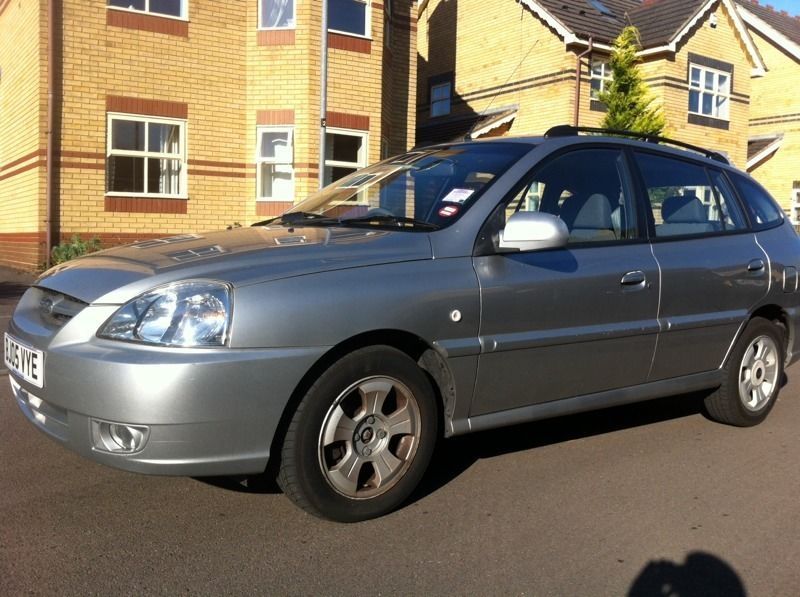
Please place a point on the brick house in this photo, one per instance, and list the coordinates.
(177, 115)
(774, 145)
(523, 66)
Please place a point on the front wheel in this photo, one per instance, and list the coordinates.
(752, 376)
(361, 437)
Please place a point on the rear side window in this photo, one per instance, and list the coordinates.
(687, 199)
(761, 207)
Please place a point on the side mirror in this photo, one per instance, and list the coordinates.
(532, 230)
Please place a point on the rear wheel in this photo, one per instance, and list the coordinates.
(361, 438)
(753, 376)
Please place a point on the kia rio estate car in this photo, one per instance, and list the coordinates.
(449, 290)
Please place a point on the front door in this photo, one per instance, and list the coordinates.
(571, 321)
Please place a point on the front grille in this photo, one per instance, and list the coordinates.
(57, 309)
(48, 417)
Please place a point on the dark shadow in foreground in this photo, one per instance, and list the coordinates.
(702, 575)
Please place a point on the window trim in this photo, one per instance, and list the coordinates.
(606, 77)
(340, 164)
(182, 156)
(184, 11)
(261, 13)
(259, 160)
(714, 94)
(367, 24)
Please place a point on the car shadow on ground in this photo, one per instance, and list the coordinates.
(455, 455)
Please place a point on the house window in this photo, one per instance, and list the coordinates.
(349, 16)
(345, 152)
(599, 78)
(276, 14)
(440, 98)
(275, 164)
(146, 156)
(162, 8)
(709, 92)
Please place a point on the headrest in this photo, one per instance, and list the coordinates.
(683, 210)
(594, 213)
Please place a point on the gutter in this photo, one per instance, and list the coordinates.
(50, 207)
(586, 52)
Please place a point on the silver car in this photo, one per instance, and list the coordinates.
(448, 290)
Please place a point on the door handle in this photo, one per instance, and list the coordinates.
(756, 265)
(633, 278)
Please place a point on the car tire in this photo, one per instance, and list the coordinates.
(361, 438)
(752, 378)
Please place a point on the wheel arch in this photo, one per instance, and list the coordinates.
(777, 315)
(429, 359)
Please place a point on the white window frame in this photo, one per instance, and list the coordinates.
(605, 77)
(363, 158)
(274, 161)
(449, 85)
(181, 155)
(367, 25)
(700, 88)
(261, 15)
(184, 11)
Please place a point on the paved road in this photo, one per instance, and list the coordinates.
(637, 500)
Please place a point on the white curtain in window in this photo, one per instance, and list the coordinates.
(279, 13)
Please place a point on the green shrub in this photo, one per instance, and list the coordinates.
(76, 247)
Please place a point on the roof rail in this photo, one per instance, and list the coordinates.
(566, 130)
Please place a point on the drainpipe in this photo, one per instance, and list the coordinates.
(323, 104)
(51, 67)
(578, 82)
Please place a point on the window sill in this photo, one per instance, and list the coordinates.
(142, 204)
(709, 121)
(349, 42)
(275, 37)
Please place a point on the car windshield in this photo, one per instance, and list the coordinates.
(420, 190)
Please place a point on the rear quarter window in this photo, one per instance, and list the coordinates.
(763, 210)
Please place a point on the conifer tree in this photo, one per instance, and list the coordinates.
(627, 97)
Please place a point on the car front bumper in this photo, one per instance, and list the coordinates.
(205, 411)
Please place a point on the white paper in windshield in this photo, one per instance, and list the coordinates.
(458, 195)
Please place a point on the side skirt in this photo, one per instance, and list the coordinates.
(570, 406)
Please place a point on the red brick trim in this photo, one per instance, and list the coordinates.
(220, 164)
(28, 156)
(348, 121)
(224, 174)
(19, 237)
(272, 208)
(145, 205)
(146, 107)
(81, 165)
(86, 155)
(276, 37)
(3, 5)
(338, 41)
(146, 22)
(110, 239)
(377, 6)
(22, 249)
(274, 117)
(25, 168)
(306, 174)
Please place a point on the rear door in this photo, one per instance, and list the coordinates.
(575, 320)
(712, 270)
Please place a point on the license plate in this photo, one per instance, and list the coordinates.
(26, 362)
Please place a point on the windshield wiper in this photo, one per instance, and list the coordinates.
(301, 218)
(385, 219)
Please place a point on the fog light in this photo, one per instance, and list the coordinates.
(118, 437)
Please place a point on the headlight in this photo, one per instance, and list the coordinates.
(182, 314)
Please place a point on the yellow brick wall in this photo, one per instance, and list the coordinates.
(507, 51)
(775, 109)
(206, 70)
(23, 106)
(225, 77)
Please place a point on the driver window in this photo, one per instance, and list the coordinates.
(585, 189)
